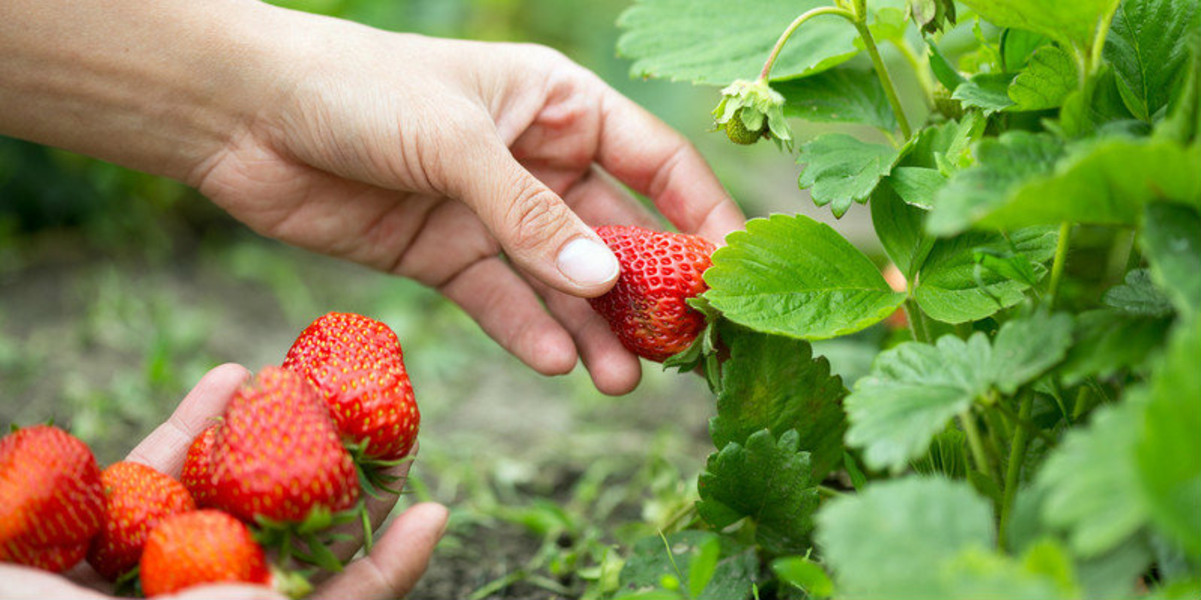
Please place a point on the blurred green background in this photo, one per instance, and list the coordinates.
(118, 290)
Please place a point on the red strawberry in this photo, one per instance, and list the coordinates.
(136, 498)
(202, 546)
(277, 454)
(659, 271)
(197, 466)
(50, 498)
(357, 365)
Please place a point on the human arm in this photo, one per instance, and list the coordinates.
(470, 167)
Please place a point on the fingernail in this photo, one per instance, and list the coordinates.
(587, 262)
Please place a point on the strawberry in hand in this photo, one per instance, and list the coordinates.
(647, 307)
(50, 498)
(136, 498)
(357, 366)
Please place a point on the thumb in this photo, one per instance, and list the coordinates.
(537, 230)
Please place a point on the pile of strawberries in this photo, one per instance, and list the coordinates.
(288, 461)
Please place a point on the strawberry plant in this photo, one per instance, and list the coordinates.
(1033, 170)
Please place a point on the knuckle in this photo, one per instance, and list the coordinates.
(535, 215)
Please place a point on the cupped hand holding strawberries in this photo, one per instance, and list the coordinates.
(393, 566)
(475, 168)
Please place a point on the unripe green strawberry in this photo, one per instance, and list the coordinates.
(738, 133)
(50, 498)
(357, 366)
(197, 466)
(199, 547)
(277, 454)
(136, 498)
(659, 271)
(945, 104)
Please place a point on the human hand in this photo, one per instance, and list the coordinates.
(396, 562)
(429, 158)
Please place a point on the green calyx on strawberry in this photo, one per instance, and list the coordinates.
(51, 499)
(749, 110)
(277, 461)
(648, 306)
(136, 498)
(357, 367)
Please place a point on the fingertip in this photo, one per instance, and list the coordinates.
(552, 352)
(589, 264)
(616, 374)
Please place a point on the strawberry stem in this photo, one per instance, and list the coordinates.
(792, 27)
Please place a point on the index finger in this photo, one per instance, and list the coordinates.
(165, 448)
(656, 161)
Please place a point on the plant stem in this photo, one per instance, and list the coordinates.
(829, 492)
(792, 27)
(882, 72)
(917, 322)
(975, 442)
(1017, 455)
(1061, 258)
(920, 68)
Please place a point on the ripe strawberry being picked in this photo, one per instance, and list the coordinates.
(659, 271)
(277, 455)
(357, 366)
(136, 498)
(199, 547)
(50, 498)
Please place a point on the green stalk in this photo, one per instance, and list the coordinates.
(882, 72)
(976, 443)
(917, 322)
(792, 27)
(1061, 258)
(1024, 424)
(1017, 455)
(920, 69)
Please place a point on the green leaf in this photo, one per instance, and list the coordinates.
(1074, 23)
(987, 91)
(1091, 484)
(953, 288)
(1017, 46)
(1044, 573)
(1046, 81)
(1109, 340)
(843, 95)
(894, 539)
(1137, 295)
(840, 169)
(716, 42)
(946, 74)
(914, 389)
(773, 382)
(1144, 46)
(899, 227)
(916, 185)
(1172, 242)
(655, 557)
(804, 574)
(793, 276)
(1168, 449)
(1103, 183)
(1003, 164)
(1026, 348)
(766, 481)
